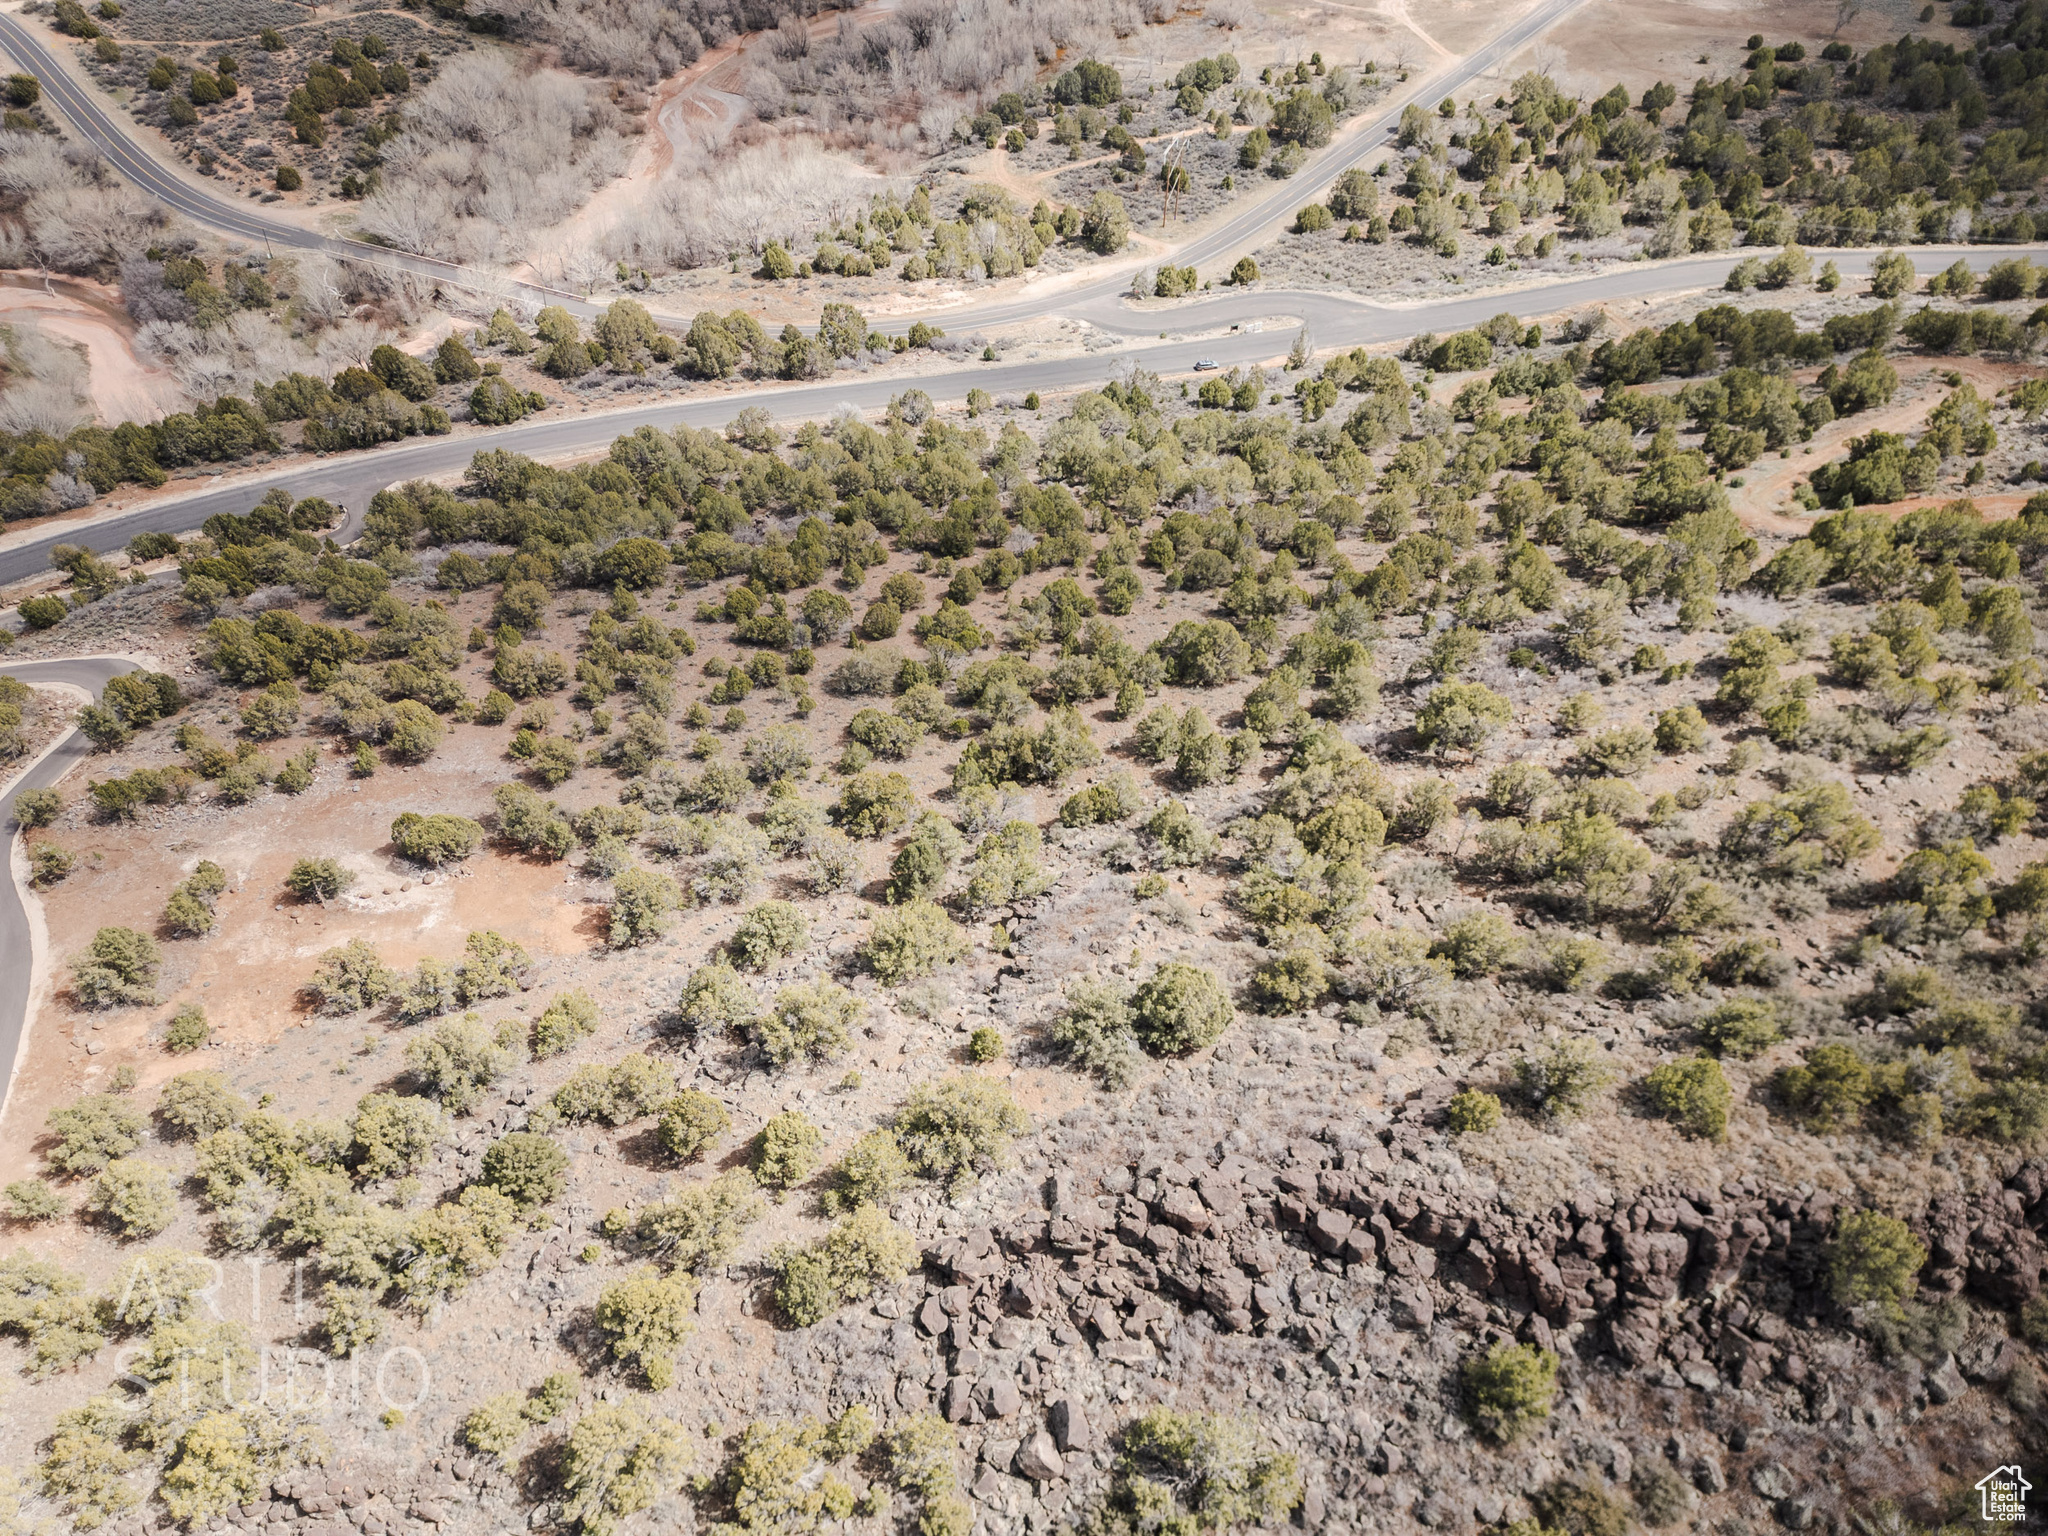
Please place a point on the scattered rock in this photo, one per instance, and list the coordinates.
(1070, 1428)
(1039, 1459)
(1945, 1382)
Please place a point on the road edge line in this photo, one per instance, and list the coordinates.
(40, 970)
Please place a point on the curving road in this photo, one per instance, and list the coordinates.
(349, 480)
(1262, 218)
(17, 955)
(125, 148)
(121, 144)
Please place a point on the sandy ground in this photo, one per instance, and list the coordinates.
(1764, 500)
(694, 111)
(1639, 42)
(88, 315)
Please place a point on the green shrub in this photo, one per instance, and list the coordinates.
(715, 999)
(644, 903)
(136, 1197)
(555, 1395)
(1509, 1389)
(1571, 963)
(85, 1472)
(119, 967)
(1094, 1030)
(318, 880)
(813, 1020)
(885, 734)
(1580, 1509)
(48, 864)
(1291, 982)
(920, 1451)
(1201, 1472)
(1694, 1094)
(1472, 1110)
(37, 807)
(644, 1319)
(1620, 753)
(1477, 944)
(527, 1167)
(1116, 798)
(394, 1135)
(43, 612)
(861, 1253)
(435, 840)
(1683, 729)
(435, 988)
(187, 1031)
(628, 1089)
(766, 933)
(1179, 838)
(1458, 717)
(459, 1060)
(1742, 1027)
(454, 1243)
(1563, 1081)
(567, 1018)
(953, 1129)
(196, 1104)
(1428, 806)
(617, 1461)
(871, 804)
(1872, 1258)
(91, 1132)
(985, 1044)
(785, 1150)
(695, 1228)
(31, 1200)
(873, 1171)
(1181, 1009)
(51, 1310)
(691, 1123)
(909, 941)
(495, 1425)
(1831, 1088)
(351, 978)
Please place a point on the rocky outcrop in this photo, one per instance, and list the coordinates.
(1671, 1278)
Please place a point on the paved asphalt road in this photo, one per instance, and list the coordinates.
(16, 962)
(1242, 328)
(1262, 218)
(119, 142)
(349, 480)
(115, 140)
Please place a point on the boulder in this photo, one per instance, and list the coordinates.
(958, 1403)
(1329, 1229)
(1183, 1208)
(1070, 1428)
(1772, 1480)
(1412, 1307)
(1945, 1382)
(1039, 1459)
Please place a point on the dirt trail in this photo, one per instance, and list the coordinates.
(696, 109)
(1768, 483)
(1396, 11)
(121, 385)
